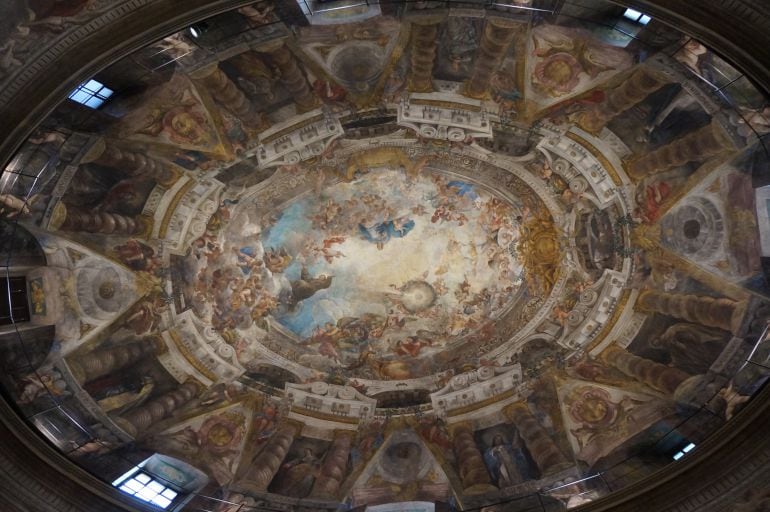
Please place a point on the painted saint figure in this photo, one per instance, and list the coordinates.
(507, 463)
(381, 232)
(298, 475)
(306, 286)
(247, 258)
(463, 189)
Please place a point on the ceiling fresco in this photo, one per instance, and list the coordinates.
(411, 285)
(392, 253)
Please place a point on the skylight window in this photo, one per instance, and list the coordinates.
(92, 94)
(637, 16)
(139, 484)
(678, 455)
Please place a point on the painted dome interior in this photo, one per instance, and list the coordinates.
(305, 254)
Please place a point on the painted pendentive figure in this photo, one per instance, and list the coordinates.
(507, 462)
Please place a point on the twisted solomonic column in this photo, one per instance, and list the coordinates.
(103, 361)
(495, 41)
(721, 313)
(137, 421)
(470, 463)
(133, 163)
(74, 218)
(291, 75)
(657, 376)
(423, 55)
(695, 146)
(226, 93)
(334, 467)
(266, 464)
(548, 457)
(632, 91)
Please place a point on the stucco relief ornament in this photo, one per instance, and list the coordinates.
(600, 419)
(558, 74)
(222, 433)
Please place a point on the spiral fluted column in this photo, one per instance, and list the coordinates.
(226, 93)
(266, 464)
(495, 41)
(632, 91)
(137, 421)
(133, 163)
(334, 467)
(104, 361)
(548, 457)
(696, 146)
(292, 77)
(422, 56)
(721, 313)
(470, 463)
(657, 376)
(89, 221)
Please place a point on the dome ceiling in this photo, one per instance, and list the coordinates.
(393, 253)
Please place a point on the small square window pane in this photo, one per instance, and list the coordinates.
(124, 477)
(94, 102)
(105, 92)
(126, 490)
(80, 96)
(157, 487)
(168, 493)
(134, 485)
(143, 477)
(93, 85)
(161, 501)
(146, 494)
(645, 19)
(632, 14)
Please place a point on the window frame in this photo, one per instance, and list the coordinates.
(92, 94)
(144, 480)
(637, 16)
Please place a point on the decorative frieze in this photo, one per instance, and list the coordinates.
(302, 138)
(445, 117)
(330, 401)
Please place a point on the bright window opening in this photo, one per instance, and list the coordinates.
(92, 94)
(678, 455)
(636, 16)
(140, 484)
